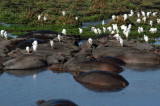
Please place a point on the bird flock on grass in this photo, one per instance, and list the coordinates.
(114, 29)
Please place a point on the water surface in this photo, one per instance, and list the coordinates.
(21, 89)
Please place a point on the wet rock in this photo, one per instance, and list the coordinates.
(25, 62)
(103, 79)
(56, 102)
(141, 57)
(111, 59)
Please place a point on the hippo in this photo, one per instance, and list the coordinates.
(140, 58)
(113, 60)
(100, 78)
(98, 65)
(108, 80)
(56, 102)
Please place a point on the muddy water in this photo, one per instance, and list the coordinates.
(21, 89)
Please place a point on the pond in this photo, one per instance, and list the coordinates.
(22, 89)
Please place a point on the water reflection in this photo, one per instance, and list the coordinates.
(23, 73)
(86, 24)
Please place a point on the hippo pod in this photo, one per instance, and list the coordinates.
(103, 79)
(113, 60)
(56, 102)
(98, 65)
(140, 58)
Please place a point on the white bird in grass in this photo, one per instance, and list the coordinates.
(80, 30)
(138, 20)
(52, 43)
(63, 13)
(126, 33)
(5, 35)
(113, 32)
(143, 13)
(144, 19)
(99, 31)
(153, 30)
(129, 26)
(27, 49)
(104, 29)
(123, 27)
(125, 17)
(45, 18)
(140, 30)
(95, 31)
(39, 17)
(148, 14)
(110, 29)
(76, 18)
(2, 33)
(35, 45)
(64, 31)
(113, 17)
(59, 37)
(154, 14)
(138, 14)
(103, 22)
(146, 38)
(158, 21)
(151, 23)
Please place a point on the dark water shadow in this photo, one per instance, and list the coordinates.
(23, 73)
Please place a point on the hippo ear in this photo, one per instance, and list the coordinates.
(40, 102)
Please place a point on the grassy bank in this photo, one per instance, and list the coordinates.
(25, 13)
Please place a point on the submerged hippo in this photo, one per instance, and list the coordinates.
(98, 65)
(140, 58)
(104, 79)
(55, 102)
(111, 59)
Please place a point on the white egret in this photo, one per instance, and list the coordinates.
(153, 30)
(103, 22)
(64, 31)
(158, 21)
(143, 13)
(5, 35)
(120, 40)
(146, 38)
(80, 30)
(52, 43)
(104, 29)
(27, 49)
(95, 31)
(39, 17)
(110, 29)
(63, 13)
(151, 22)
(76, 18)
(90, 41)
(113, 32)
(125, 17)
(45, 18)
(148, 14)
(35, 45)
(116, 36)
(140, 30)
(35, 76)
(138, 20)
(113, 17)
(138, 14)
(154, 14)
(59, 37)
(144, 19)
(2, 33)
(99, 31)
